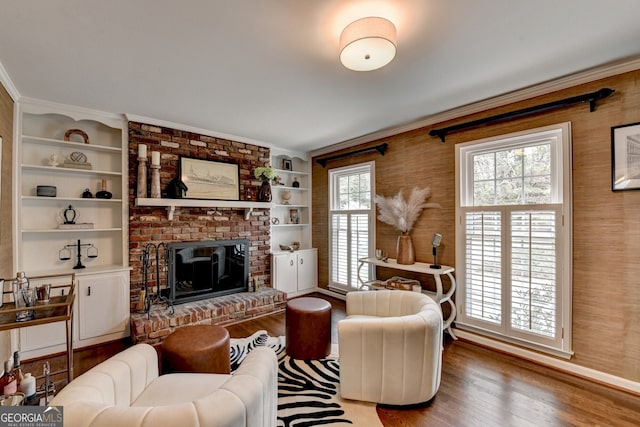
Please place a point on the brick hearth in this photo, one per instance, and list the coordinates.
(215, 311)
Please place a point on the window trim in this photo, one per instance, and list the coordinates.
(332, 175)
(561, 168)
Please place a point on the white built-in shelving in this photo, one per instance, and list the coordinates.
(293, 272)
(284, 227)
(40, 135)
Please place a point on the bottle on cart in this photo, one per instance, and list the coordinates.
(28, 386)
(20, 282)
(17, 370)
(8, 381)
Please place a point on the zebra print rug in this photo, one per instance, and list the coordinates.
(308, 392)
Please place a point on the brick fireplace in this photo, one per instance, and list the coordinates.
(151, 224)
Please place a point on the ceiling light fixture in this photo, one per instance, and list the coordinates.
(368, 44)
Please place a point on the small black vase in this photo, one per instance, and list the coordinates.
(264, 193)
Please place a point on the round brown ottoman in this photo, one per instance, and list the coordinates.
(200, 348)
(308, 328)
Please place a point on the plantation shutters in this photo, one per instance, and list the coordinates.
(533, 272)
(340, 259)
(514, 238)
(483, 250)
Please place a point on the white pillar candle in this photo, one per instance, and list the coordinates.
(155, 158)
(142, 150)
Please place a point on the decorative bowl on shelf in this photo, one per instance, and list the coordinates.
(294, 246)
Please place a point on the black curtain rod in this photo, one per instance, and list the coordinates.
(590, 97)
(379, 148)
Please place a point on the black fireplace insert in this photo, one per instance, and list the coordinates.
(199, 270)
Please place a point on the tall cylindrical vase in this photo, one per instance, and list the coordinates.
(405, 254)
(264, 193)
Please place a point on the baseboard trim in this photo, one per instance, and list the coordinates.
(331, 293)
(609, 380)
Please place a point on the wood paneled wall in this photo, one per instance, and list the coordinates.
(6, 132)
(6, 184)
(606, 225)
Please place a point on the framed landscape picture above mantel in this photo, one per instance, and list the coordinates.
(207, 179)
(625, 157)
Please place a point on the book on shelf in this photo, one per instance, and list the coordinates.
(75, 165)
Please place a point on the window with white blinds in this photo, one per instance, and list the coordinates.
(514, 238)
(351, 219)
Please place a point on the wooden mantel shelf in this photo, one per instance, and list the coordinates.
(171, 205)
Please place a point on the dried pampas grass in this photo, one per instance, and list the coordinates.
(403, 214)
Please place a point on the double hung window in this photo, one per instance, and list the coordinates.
(513, 248)
(351, 222)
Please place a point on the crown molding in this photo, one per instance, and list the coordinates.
(544, 88)
(187, 128)
(41, 106)
(8, 84)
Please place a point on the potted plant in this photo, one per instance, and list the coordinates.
(266, 174)
(402, 214)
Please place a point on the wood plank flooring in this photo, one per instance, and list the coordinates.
(483, 388)
(479, 387)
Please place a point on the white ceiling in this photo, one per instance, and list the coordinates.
(268, 70)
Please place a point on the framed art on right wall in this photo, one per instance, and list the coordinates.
(625, 157)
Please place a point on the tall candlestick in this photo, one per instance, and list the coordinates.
(142, 177)
(155, 181)
(155, 158)
(142, 150)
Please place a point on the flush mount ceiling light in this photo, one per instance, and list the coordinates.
(368, 44)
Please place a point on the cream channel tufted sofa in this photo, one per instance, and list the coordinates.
(126, 390)
(390, 347)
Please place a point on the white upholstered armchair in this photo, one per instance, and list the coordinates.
(126, 390)
(390, 347)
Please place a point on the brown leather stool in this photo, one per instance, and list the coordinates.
(308, 328)
(200, 348)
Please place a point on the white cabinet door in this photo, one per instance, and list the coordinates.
(284, 272)
(295, 271)
(307, 269)
(103, 304)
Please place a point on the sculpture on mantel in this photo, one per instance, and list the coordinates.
(402, 214)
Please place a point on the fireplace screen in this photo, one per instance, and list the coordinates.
(199, 270)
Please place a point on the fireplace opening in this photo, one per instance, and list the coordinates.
(199, 270)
